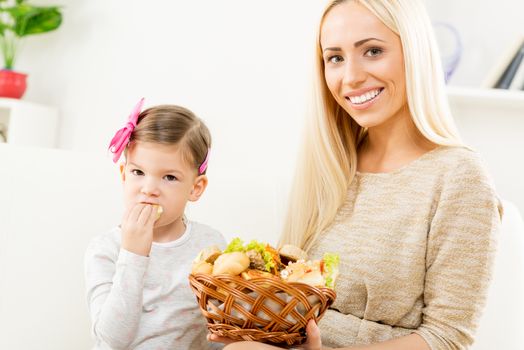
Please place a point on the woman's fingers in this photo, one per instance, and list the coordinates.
(215, 338)
(313, 340)
(313, 337)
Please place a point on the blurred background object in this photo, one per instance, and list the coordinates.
(19, 19)
(450, 46)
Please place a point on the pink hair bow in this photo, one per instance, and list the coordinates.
(121, 139)
(203, 166)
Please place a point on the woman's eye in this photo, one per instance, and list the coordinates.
(335, 59)
(170, 178)
(375, 51)
(137, 172)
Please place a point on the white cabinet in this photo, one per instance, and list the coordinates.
(25, 123)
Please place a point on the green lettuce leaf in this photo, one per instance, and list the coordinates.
(261, 248)
(331, 262)
(236, 245)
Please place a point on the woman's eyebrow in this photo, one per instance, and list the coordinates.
(356, 44)
(363, 41)
(332, 49)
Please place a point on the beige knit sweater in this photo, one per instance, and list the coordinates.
(416, 248)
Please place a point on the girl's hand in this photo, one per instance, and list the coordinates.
(137, 228)
(313, 341)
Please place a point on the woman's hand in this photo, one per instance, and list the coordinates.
(215, 338)
(313, 341)
(137, 228)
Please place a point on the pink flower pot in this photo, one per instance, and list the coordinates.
(12, 84)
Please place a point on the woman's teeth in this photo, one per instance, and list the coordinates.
(365, 97)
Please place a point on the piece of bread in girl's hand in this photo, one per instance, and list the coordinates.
(159, 210)
(233, 263)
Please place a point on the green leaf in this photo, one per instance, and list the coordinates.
(30, 20)
(331, 262)
(236, 245)
(261, 248)
(3, 27)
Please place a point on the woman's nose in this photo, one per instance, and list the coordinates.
(354, 74)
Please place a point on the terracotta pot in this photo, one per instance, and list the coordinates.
(12, 84)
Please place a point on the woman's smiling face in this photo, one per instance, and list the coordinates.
(364, 65)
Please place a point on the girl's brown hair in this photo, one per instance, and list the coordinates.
(174, 125)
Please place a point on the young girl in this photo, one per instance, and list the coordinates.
(136, 274)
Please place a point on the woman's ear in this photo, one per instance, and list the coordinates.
(122, 171)
(199, 186)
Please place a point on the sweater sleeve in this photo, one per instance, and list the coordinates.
(114, 293)
(340, 330)
(460, 251)
(459, 257)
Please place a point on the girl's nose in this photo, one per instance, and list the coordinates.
(150, 187)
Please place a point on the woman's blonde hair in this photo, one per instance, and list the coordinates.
(328, 160)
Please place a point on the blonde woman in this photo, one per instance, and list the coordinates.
(385, 180)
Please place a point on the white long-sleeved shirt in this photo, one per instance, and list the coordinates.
(138, 302)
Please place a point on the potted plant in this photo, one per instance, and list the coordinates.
(17, 20)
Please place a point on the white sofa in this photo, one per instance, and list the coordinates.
(53, 201)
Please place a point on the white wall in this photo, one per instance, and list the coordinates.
(242, 65)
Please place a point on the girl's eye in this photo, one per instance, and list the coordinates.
(170, 178)
(375, 51)
(335, 59)
(137, 172)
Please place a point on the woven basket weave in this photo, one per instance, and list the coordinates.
(267, 310)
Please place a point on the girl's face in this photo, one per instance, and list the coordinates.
(158, 174)
(364, 65)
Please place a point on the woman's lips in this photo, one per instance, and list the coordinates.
(365, 99)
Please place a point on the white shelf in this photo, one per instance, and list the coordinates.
(28, 124)
(491, 98)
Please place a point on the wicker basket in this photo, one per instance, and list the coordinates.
(267, 310)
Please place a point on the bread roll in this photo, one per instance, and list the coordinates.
(209, 254)
(292, 253)
(202, 267)
(313, 278)
(253, 273)
(231, 264)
